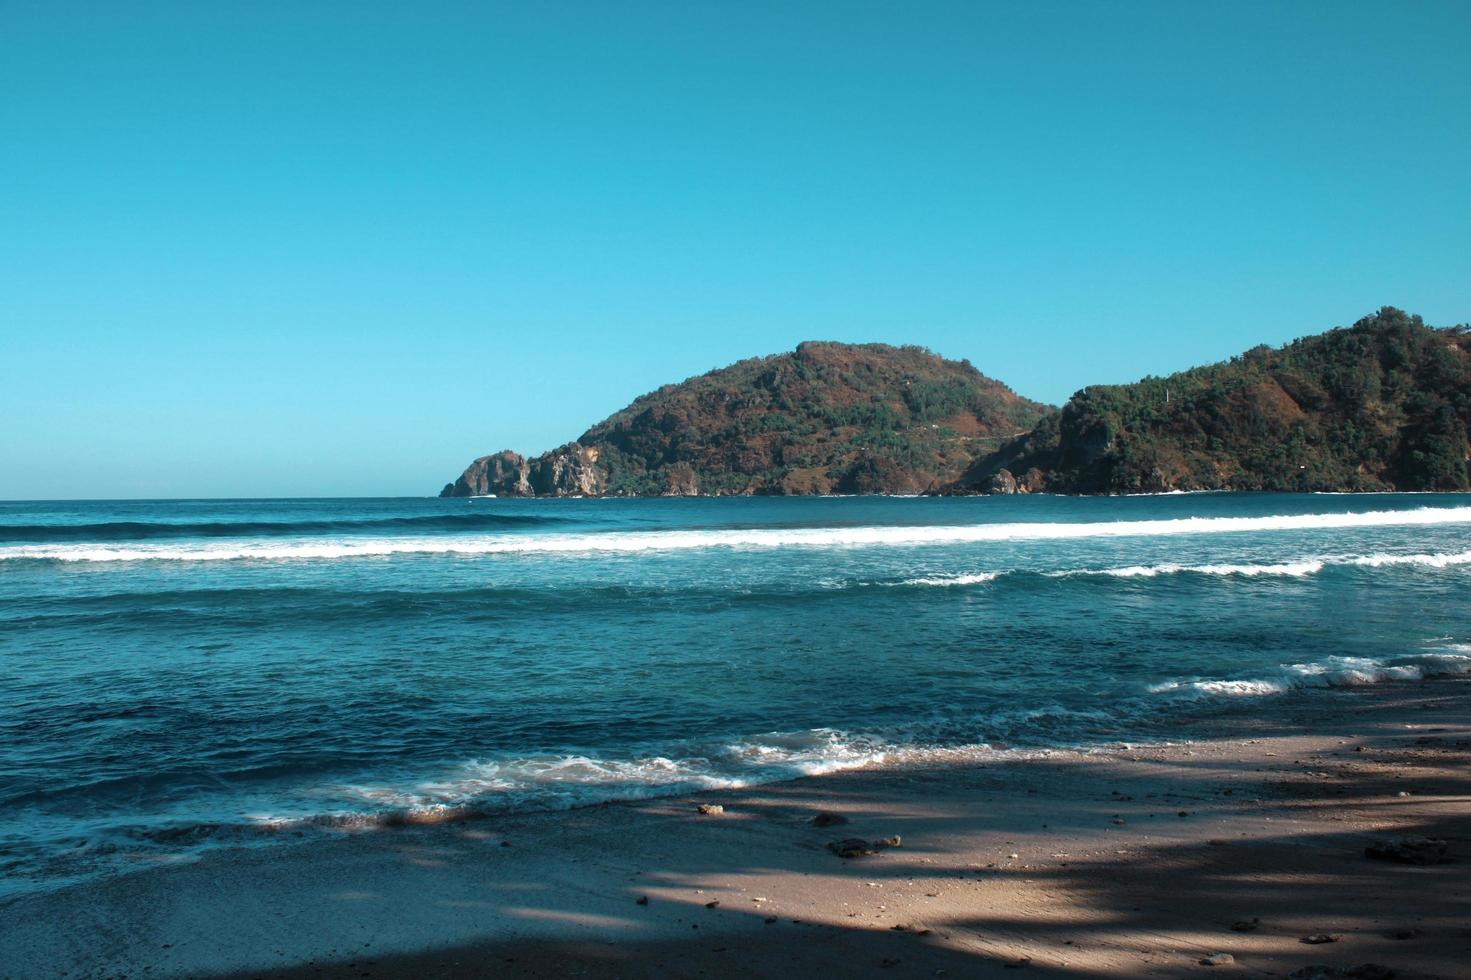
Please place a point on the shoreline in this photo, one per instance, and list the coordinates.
(926, 495)
(1077, 862)
(884, 496)
(1216, 702)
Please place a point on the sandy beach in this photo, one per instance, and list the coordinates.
(1137, 861)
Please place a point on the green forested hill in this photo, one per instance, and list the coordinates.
(1382, 405)
(825, 418)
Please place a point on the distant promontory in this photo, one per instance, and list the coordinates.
(1382, 405)
(825, 418)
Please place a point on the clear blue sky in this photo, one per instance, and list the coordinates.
(342, 248)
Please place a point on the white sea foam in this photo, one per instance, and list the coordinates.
(1448, 661)
(1234, 689)
(563, 781)
(1431, 561)
(644, 541)
(977, 578)
(1293, 569)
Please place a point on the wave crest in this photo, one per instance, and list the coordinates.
(1295, 569)
(647, 541)
(975, 578)
(1292, 569)
(1449, 661)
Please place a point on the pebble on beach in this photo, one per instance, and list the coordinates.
(851, 847)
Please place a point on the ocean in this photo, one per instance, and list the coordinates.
(180, 675)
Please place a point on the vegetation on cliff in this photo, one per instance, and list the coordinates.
(825, 418)
(1382, 405)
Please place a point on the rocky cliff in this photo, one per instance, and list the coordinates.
(570, 471)
(825, 418)
(1382, 405)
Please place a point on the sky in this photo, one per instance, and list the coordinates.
(321, 248)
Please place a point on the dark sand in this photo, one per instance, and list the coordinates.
(1077, 865)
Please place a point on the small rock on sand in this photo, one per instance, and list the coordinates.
(1408, 850)
(1318, 939)
(1245, 925)
(1218, 959)
(826, 819)
(852, 847)
(710, 809)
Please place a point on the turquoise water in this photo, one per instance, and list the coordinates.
(177, 675)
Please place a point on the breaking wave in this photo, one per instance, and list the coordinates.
(552, 782)
(1449, 661)
(977, 578)
(649, 541)
(1293, 569)
(492, 786)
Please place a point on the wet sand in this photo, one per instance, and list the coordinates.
(1134, 862)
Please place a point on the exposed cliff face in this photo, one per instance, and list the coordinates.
(825, 418)
(500, 474)
(571, 471)
(1382, 405)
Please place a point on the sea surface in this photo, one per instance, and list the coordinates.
(179, 675)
